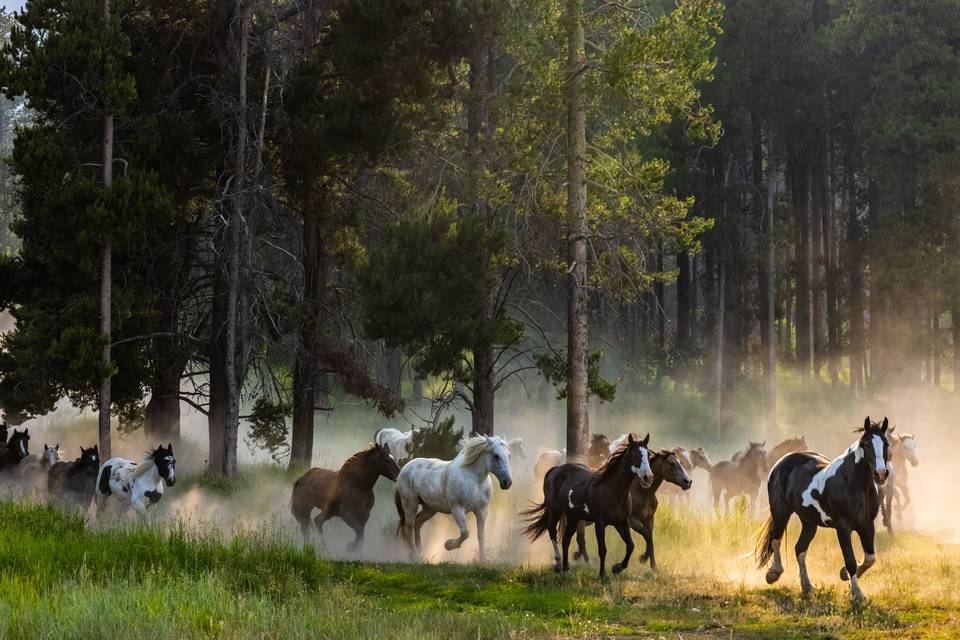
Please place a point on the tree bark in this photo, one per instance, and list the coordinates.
(817, 253)
(578, 297)
(106, 284)
(683, 302)
(801, 203)
(855, 277)
(771, 352)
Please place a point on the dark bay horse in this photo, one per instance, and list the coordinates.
(575, 493)
(15, 449)
(840, 495)
(666, 466)
(346, 494)
(72, 484)
(729, 479)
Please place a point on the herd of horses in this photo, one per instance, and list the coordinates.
(616, 486)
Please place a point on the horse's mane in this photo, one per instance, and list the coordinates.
(614, 459)
(357, 457)
(476, 446)
(598, 437)
(142, 469)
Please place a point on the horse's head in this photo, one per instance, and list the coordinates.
(517, 448)
(19, 443)
(51, 455)
(166, 464)
(755, 455)
(386, 465)
(90, 457)
(494, 453)
(638, 457)
(700, 458)
(874, 447)
(683, 455)
(670, 468)
(908, 442)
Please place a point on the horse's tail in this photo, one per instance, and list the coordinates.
(399, 504)
(537, 519)
(764, 550)
(772, 530)
(299, 507)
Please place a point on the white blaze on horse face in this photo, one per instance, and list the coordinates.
(23, 447)
(643, 471)
(819, 481)
(881, 464)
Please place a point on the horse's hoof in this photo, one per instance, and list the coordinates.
(557, 568)
(844, 575)
(617, 568)
(450, 545)
(806, 589)
(773, 575)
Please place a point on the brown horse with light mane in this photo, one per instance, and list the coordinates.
(346, 494)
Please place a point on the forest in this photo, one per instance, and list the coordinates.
(261, 210)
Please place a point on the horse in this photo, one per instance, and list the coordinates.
(598, 451)
(517, 448)
(398, 443)
(840, 495)
(790, 445)
(71, 484)
(137, 485)
(346, 494)
(729, 479)
(903, 449)
(685, 459)
(15, 449)
(32, 470)
(575, 493)
(548, 460)
(457, 487)
(665, 465)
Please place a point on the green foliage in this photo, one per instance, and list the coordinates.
(268, 427)
(438, 441)
(425, 288)
(553, 367)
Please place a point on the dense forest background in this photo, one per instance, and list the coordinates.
(267, 210)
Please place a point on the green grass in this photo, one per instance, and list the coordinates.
(61, 579)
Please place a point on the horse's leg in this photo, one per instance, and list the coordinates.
(358, 524)
(460, 516)
(778, 529)
(638, 525)
(624, 530)
(886, 507)
(581, 552)
(568, 530)
(803, 543)
(410, 516)
(600, 530)
(552, 531)
(866, 535)
(905, 489)
(481, 515)
(646, 532)
(425, 514)
(849, 570)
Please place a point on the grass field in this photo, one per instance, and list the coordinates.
(60, 578)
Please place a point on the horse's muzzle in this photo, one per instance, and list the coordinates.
(506, 483)
(686, 485)
(170, 481)
(880, 476)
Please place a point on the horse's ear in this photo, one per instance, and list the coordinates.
(45, 447)
(629, 438)
(866, 423)
(170, 447)
(57, 447)
(763, 444)
(885, 425)
(26, 431)
(645, 441)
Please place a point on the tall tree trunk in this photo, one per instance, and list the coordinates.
(235, 240)
(683, 303)
(578, 298)
(660, 308)
(306, 368)
(718, 400)
(162, 413)
(955, 330)
(855, 277)
(756, 156)
(801, 203)
(106, 284)
(832, 254)
(771, 352)
(875, 337)
(935, 348)
(817, 252)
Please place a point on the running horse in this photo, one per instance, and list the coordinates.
(729, 479)
(574, 493)
(15, 449)
(346, 494)
(840, 495)
(903, 449)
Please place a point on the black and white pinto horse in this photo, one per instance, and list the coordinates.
(136, 485)
(840, 495)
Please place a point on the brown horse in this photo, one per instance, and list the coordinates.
(72, 484)
(599, 451)
(666, 465)
(575, 493)
(346, 494)
(729, 479)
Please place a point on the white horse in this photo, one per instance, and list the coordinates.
(33, 469)
(457, 487)
(398, 443)
(516, 446)
(548, 460)
(619, 442)
(136, 485)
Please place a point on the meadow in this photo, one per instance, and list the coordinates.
(61, 577)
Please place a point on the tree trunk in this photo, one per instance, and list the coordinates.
(718, 407)
(771, 352)
(801, 203)
(875, 336)
(855, 277)
(832, 254)
(162, 413)
(935, 348)
(106, 284)
(578, 298)
(683, 303)
(955, 330)
(763, 268)
(306, 368)
(483, 391)
(817, 252)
